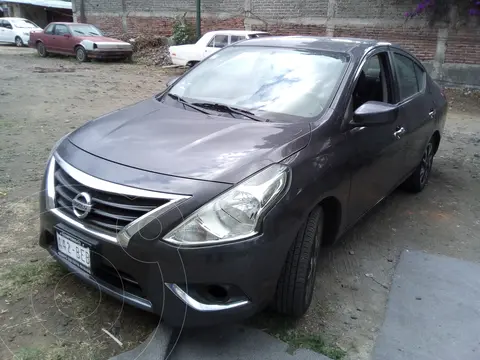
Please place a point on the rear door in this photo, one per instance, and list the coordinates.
(416, 107)
(376, 152)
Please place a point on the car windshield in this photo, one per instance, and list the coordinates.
(274, 83)
(85, 30)
(24, 24)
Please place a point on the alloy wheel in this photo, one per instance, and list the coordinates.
(426, 164)
(18, 42)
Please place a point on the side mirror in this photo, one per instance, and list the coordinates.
(172, 80)
(374, 113)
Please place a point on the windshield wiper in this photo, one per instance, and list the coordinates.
(231, 110)
(186, 103)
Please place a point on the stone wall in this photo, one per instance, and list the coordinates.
(452, 53)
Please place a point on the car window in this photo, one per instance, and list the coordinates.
(235, 38)
(407, 79)
(7, 25)
(49, 29)
(421, 77)
(60, 30)
(219, 41)
(373, 82)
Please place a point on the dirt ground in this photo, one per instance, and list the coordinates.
(45, 313)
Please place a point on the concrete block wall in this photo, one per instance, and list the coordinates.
(452, 53)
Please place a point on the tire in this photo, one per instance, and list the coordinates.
(18, 41)
(419, 179)
(297, 281)
(128, 59)
(81, 54)
(42, 52)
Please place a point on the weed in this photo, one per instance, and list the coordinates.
(313, 342)
(284, 329)
(24, 276)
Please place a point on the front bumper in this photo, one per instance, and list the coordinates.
(109, 54)
(185, 286)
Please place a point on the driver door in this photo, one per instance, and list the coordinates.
(218, 42)
(377, 152)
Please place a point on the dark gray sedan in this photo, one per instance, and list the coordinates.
(212, 199)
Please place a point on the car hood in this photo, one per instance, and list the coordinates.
(102, 39)
(168, 140)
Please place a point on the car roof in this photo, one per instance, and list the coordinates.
(236, 32)
(353, 46)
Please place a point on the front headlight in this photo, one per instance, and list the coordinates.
(26, 33)
(237, 213)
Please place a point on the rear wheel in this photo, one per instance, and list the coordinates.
(18, 41)
(297, 281)
(41, 50)
(81, 54)
(419, 179)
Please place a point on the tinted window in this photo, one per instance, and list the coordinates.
(276, 83)
(407, 79)
(235, 38)
(60, 30)
(6, 24)
(421, 77)
(49, 29)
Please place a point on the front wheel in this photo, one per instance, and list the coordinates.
(419, 179)
(18, 41)
(297, 281)
(81, 54)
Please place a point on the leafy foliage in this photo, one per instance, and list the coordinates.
(182, 31)
(440, 8)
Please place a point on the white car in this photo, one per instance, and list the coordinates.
(189, 55)
(16, 30)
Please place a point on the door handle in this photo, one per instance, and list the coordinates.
(398, 134)
(432, 113)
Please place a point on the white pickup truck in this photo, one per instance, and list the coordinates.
(189, 55)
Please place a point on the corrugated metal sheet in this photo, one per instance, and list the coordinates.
(45, 3)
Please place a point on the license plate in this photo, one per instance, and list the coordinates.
(73, 250)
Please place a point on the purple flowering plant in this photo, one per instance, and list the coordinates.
(424, 5)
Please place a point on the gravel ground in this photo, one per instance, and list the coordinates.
(47, 314)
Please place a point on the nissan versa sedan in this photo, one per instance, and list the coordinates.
(211, 200)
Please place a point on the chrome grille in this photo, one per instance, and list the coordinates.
(110, 212)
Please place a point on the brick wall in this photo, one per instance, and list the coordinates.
(379, 19)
